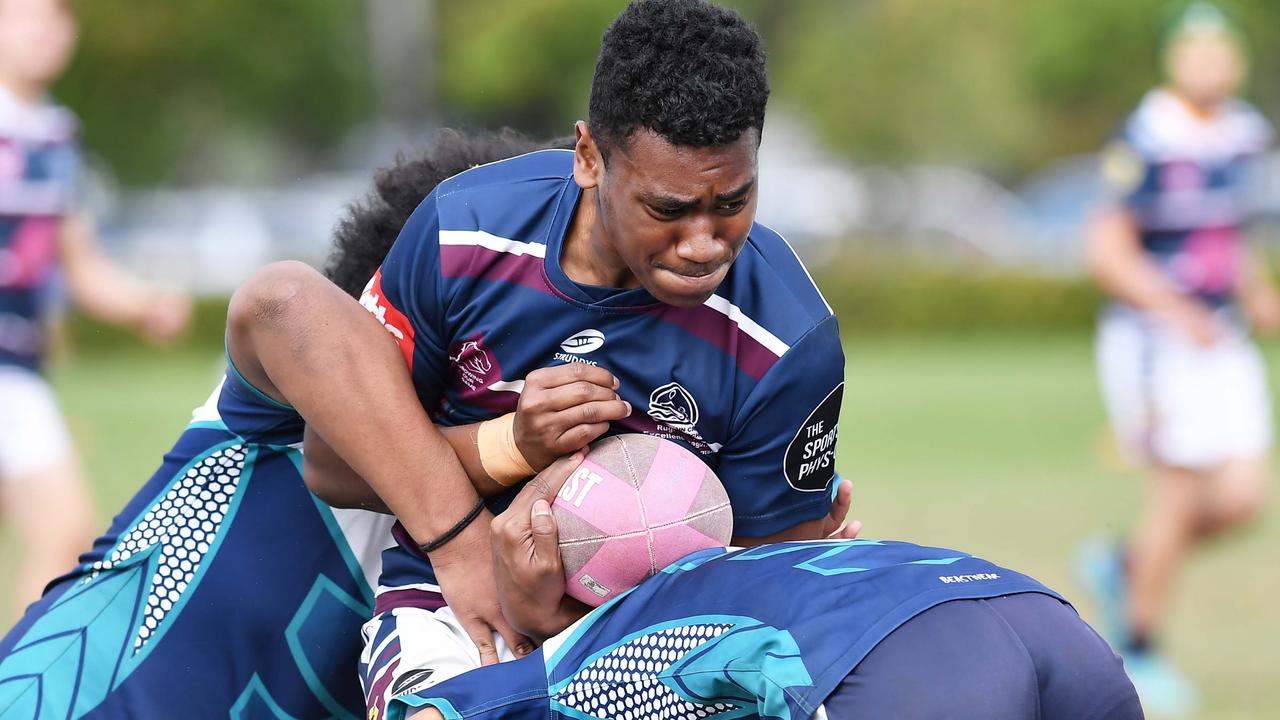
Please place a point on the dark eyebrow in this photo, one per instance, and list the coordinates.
(737, 193)
(667, 202)
(674, 203)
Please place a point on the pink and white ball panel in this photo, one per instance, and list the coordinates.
(635, 505)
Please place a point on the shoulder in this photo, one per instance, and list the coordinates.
(503, 196)
(47, 122)
(770, 289)
(1249, 127)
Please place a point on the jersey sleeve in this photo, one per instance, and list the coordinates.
(406, 295)
(779, 462)
(1125, 176)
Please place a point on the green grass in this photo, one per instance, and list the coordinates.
(994, 445)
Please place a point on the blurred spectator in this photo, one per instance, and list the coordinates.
(1183, 382)
(44, 235)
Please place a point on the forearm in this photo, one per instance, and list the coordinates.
(329, 358)
(1119, 265)
(97, 285)
(463, 441)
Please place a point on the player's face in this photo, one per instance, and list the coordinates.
(36, 39)
(1205, 69)
(677, 216)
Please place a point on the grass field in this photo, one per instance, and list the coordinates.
(989, 444)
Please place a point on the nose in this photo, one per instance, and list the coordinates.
(699, 243)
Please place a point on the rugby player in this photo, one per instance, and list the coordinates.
(826, 629)
(224, 587)
(47, 238)
(1184, 385)
(622, 286)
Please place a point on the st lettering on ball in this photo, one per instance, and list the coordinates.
(636, 504)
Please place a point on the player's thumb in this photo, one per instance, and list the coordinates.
(545, 535)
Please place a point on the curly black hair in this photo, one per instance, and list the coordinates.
(688, 70)
(366, 232)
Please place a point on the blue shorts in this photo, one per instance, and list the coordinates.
(1006, 658)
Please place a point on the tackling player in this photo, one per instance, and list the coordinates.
(45, 236)
(1184, 385)
(542, 301)
(223, 587)
(884, 630)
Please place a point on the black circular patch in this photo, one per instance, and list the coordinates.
(810, 462)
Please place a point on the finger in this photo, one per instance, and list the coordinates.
(519, 644)
(843, 501)
(589, 413)
(574, 394)
(482, 635)
(546, 539)
(573, 372)
(579, 436)
(547, 483)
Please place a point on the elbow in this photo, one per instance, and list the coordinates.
(269, 295)
(324, 486)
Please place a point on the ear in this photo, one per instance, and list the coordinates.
(588, 164)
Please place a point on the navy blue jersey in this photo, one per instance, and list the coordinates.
(39, 169)
(223, 586)
(751, 380)
(799, 618)
(1190, 184)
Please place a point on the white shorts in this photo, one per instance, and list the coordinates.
(407, 649)
(33, 436)
(1179, 404)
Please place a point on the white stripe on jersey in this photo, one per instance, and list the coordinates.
(515, 386)
(492, 242)
(427, 587)
(747, 325)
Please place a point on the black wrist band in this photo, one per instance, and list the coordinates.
(452, 532)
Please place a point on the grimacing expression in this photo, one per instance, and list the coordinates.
(676, 215)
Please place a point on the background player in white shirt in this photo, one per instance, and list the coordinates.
(44, 235)
(1184, 385)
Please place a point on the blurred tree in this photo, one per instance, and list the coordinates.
(170, 91)
(234, 87)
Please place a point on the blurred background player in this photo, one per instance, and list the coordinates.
(46, 238)
(1184, 385)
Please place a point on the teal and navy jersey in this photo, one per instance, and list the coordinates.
(768, 632)
(1190, 184)
(751, 380)
(223, 588)
(39, 171)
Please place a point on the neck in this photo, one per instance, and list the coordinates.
(588, 257)
(1200, 110)
(26, 92)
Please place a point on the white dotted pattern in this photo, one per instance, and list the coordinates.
(623, 683)
(184, 522)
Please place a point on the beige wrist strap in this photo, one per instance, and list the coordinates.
(499, 455)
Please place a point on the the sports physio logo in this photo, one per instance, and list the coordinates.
(810, 460)
(588, 340)
(392, 319)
